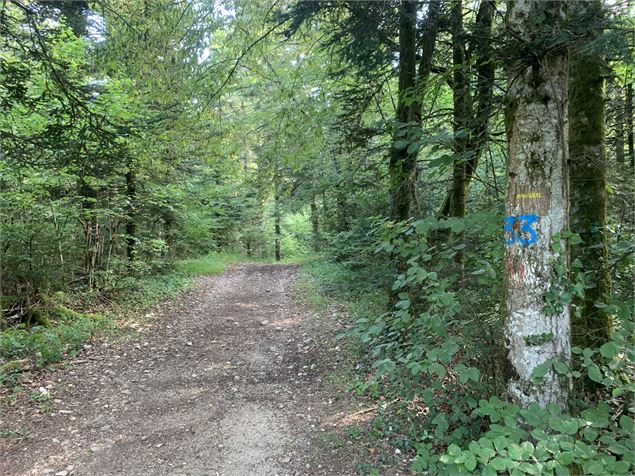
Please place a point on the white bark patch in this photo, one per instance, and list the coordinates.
(537, 187)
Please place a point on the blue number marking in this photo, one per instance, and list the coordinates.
(509, 227)
(526, 228)
(525, 222)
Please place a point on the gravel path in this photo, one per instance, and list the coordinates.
(229, 379)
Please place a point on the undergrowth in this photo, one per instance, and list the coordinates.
(67, 321)
(435, 357)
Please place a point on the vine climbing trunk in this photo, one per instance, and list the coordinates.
(536, 207)
(592, 326)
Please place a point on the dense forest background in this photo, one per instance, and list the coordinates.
(458, 173)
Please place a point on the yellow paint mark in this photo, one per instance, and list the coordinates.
(529, 195)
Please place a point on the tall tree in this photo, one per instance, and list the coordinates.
(412, 80)
(537, 200)
(462, 106)
(482, 54)
(588, 177)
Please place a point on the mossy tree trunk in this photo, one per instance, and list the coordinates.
(591, 325)
(537, 205)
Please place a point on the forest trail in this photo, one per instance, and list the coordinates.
(229, 379)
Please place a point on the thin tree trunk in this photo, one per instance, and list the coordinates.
(315, 225)
(277, 220)
(131, 214)
(536, 208)
(485, 68)
(403, 160)
(629, 123)
(168, 226)
(89, 221)
(342, 213)
(620, 157)
(588, 184)
(462, 110)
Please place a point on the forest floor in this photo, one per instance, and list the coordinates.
(230, 378)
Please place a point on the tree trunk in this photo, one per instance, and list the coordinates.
(277, 223)
(403, 160)
(588, 184)
(315, 225)
(536, 207)
(88, 201)
(131, 214)
(462, 109)
(619, 129)
(485, 67)
(629, 123)
(340, 198)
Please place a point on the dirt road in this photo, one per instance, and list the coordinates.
(229, 379)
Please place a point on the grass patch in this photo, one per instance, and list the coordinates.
(213, 263)
(217, 263)
(44, 345)
(325, 283)
(140, 293)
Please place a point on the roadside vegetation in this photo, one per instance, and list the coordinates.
(458, 175)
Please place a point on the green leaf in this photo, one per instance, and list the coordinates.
(529, 468)
(454, 450)
(515, 452)
(622, 467)
(561, 368)
(569, 426)
(489, 471)
(541, 370)
(594, 373)
(610, 350)
(438, 369)
(556, 424)
(413, 147)
(470, 462)
(627, 423)
(499, 463)
(575, 239)
(589, 434)
(500, 443)
(457, 226)
(565, 458)
(527, 448)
